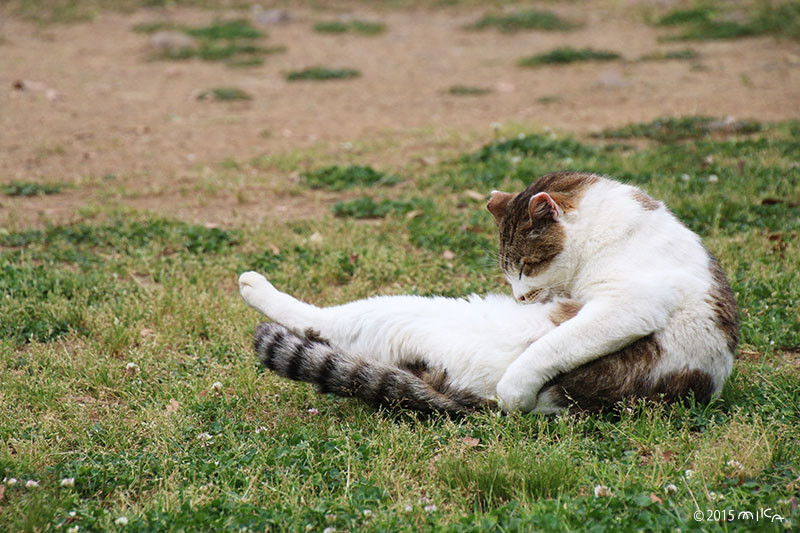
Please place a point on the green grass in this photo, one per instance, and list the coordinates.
(234, 42)
(224, 94)
(322, 74)
(336, 178)
(684, 54)
(467, 90)
(29, 188)
(522, 21)
(711, 22)
(566, 54)
(670, 129)
(153, 442)
(361, 27)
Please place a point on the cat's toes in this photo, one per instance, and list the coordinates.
(253, 287)
(514, 394)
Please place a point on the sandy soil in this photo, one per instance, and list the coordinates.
(97, 106)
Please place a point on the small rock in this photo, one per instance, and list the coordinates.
(269, 17)
(170, 41)
(504, 87)
(611, 79)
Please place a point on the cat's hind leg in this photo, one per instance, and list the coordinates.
(261, 295)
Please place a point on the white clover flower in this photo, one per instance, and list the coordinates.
(601, 491)
(424, 500)
(313, 411)
(330, 517)
(495, 126)
(430, 508)
(259, 429)
(329, 530)
(515, 160)
(367, 512)
(736, 465)
(121, 521)
(132, 368)
(68, 482)
(685, 177)
(73, 529)
(216, 388)
(31, 484)
(408, 508)
(713, 178)
(10, 481)
(205, 439)
(670, 488)
(688, 473)
(72, 513)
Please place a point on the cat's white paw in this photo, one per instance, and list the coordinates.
(517, 392)
(255, 288)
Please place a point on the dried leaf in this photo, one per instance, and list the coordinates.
(654, 498)
(475, 195)
(202, 394)
(471, 441)
(274, 249)
(2, 491)
(172, 406)
(413, 214)
(144, 333)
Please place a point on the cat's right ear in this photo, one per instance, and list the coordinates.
(497, 204)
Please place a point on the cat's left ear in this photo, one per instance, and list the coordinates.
(497, 204)
(542, 205)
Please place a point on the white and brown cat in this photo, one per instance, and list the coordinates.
(614, 298)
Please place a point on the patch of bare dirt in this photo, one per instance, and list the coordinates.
(98, 107)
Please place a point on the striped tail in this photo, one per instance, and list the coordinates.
(313, 360)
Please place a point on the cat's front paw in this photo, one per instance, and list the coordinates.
(517, 393)
(255, 288)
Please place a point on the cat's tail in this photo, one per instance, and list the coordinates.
(313, 360)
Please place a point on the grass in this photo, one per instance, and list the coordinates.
(224, 94)
(361, 27)
(233, 41)
(712, 22)
(669, 129)
(566, 54)
(523, 21)
(322, 74)
(685, 54)
(467, 90)
(336, 178)
(154, 442)
(29, 188)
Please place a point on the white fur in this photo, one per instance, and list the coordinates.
(474, 339)
(634, 271)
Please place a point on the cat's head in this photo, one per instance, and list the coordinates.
(535, 233)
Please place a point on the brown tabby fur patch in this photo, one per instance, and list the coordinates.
(723, 303)
(564, 312)
(532, 244)
(645, 201)
(626, 373)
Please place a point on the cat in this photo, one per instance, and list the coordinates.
(613, 298)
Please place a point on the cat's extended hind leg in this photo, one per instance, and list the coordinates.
(261, 295)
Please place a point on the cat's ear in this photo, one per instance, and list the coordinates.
(543, 205)
(497, 204)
